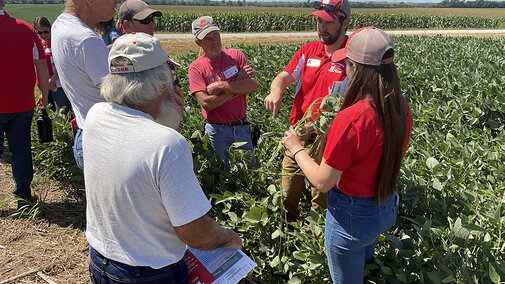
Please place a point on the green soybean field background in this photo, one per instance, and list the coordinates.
(451, 223)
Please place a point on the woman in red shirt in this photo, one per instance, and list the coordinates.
(363, 155)
(57, 97)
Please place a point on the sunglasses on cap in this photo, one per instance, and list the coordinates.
(328, 8)
(43, 32)
(146, 21)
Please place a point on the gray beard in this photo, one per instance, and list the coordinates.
(169, 115)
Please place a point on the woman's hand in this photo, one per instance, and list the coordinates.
(291, 141)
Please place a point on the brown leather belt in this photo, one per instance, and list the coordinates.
(231, 123)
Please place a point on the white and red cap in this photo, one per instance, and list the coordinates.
(337, 8)
(202, 26)
(143, 50)
(366, 46)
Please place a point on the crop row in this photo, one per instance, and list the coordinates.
(291, 21)
(451, 220)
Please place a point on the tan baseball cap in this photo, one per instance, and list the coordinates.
(135, 10)
(202, 26)
(143, 50)
(366, 46)
(329, 10)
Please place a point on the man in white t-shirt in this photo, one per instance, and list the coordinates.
(80, 56)
(144, 202)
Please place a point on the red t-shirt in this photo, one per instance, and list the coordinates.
(354, 147)
(316, 75)
(203, 71)
(20, 47)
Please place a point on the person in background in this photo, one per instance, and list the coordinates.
(220, 79)
(363, 155)
(109, 32)
(136, 16)
(17, 78)
(143, 206)
(2, 4)
(80, 56)
(57, 96)
(317, 76)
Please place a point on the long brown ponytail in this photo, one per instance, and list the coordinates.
(381, 84)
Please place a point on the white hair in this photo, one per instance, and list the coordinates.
(136, 89)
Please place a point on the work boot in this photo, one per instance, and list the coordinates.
(32, 200)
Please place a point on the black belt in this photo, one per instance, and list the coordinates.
(231, 123)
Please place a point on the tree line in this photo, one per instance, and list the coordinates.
(300, 4)
(470, 4)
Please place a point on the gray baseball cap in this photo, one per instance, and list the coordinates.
(202, 26)
(366, 46)
(135, 10)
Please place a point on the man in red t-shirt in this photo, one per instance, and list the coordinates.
(317, 77)
(22, 49)
(220, 79)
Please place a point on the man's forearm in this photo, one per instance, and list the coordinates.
(244, 86)
(43, 78)
(210, 102)
(204, 233)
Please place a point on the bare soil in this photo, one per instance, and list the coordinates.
(52, 246)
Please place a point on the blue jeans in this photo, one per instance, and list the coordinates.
(59, 99)
(353, 226)
(222, 136)
(77, 148)
(105, 271)
(17, 128)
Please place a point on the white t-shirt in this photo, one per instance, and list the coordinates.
(139, 184)
(80, 56)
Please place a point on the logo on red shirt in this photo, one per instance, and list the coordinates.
(336, 67)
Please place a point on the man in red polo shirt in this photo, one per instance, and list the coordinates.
(317, 76)
(22, 50)
(220, 79)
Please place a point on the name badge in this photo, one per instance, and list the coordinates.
(230, 72)
(313, 62)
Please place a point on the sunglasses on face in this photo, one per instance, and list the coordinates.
(43, 32)
(146, 21)
(328, 8)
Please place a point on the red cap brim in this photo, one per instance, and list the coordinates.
(339, 55)
(324, 15)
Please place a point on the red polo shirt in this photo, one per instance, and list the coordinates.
(316, 74)
(354, 147)
(20, 47)
(203, 72)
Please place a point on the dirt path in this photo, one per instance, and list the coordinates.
(176, 44)
(52, 245)
(314, 34)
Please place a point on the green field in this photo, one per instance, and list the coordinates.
(451, 222)
(28, 12)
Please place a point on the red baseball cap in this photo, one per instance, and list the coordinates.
(329, 10)
(366, 46)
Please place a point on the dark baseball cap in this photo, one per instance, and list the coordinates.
(135, 10)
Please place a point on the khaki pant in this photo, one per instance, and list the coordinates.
(294, 186)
